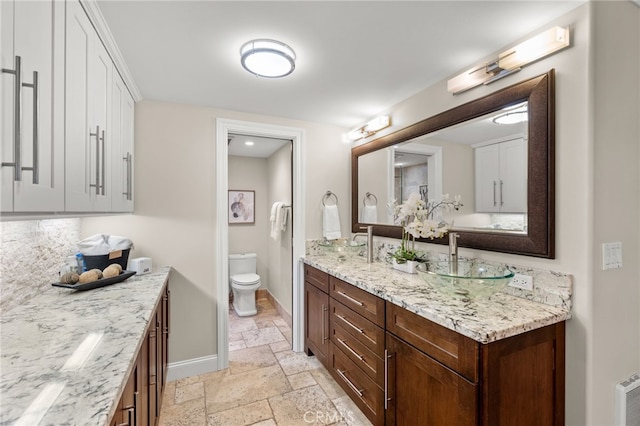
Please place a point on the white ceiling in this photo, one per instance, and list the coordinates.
(261, 147)
(355, 59)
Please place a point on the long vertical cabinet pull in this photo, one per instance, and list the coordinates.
(104, 165)
(324, 334)
(128, 186)
(97, 136)
(494, 194)
(36, 107)
(501, 193)
(17, 99)
(386, 379)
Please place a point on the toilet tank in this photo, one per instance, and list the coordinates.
(245, 263)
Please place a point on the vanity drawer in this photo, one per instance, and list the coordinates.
(317, 278)
(450, 348)
(362, 390)
(366, 304)
(360, 328)
(357, 352)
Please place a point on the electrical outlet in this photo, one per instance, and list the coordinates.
(525, 282)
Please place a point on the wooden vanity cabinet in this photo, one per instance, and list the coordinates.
(316, 307)
(141, 398)
(437, 376)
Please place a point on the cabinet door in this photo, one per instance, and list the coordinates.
(32, 106)
(487, 162)
(121, 142)
(421, 391)
(513, 176)
(152, 341)
(316, 334)
(88, 83)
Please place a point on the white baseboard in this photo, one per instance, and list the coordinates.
(191, 367)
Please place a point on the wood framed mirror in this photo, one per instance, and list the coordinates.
(373, 164)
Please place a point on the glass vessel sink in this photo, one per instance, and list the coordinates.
(473, 278)
(342, 248)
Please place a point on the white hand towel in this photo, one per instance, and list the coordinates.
(276, 220)
(331, 222)
(370, 214)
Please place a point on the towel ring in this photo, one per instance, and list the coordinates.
(328, 195)
(369, 196)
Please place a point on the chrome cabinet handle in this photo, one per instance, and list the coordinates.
(501, 196)
(128, 185)
(356, 354)
(358, 329)
(357, 302)
(351, 385)
(386, 378)
(36, 106)
(102, 181)
(324, 335)
(495, 203)
(17, 100)
(97, 184)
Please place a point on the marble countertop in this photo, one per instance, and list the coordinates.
(484, 320)
(41, 382)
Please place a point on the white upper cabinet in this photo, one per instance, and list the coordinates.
(32, 106)
(501, 177)
(122, 106)
(87, 116)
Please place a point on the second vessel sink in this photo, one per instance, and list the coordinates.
(472, 279)
(342, 248)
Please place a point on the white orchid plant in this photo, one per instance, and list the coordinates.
(417, 219)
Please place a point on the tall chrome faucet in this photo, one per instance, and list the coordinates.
(369, 235)
(453, 252)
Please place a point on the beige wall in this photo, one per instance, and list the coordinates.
(280, 252)
(597, 198)
(175, 198)
(247, 173)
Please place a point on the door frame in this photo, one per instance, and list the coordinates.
(223, 128)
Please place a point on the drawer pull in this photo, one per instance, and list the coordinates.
(346, 296)
(351, 385)
(346, 321)
(360, 357)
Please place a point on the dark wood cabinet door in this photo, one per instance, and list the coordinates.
(421, 391)
(316, 333)
(524, 379)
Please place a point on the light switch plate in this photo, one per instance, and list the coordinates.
(611, 256)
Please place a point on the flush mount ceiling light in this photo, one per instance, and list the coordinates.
(370, 128)
(513, 116)
(267, 58)
(511, 60)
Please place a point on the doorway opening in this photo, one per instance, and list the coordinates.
(232, 129)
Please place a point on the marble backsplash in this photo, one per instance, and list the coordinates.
(549, 287)
(31, 253)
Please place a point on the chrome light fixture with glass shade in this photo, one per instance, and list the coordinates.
(267, 58)
(511, 60)
(370, 128)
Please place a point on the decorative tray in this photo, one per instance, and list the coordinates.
(97, 283)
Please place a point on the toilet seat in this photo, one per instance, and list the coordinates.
(245, 279)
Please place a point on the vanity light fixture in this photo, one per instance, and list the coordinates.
(511, 60)
(370, 128)
(267, 58)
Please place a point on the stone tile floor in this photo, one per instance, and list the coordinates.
(266, 383)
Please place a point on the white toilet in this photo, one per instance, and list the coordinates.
(244, 282)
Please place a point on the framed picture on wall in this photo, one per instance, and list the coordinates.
(241, 206)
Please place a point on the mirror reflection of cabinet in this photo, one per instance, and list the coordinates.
(501, 177)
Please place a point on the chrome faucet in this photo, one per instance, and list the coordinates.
(369, 235)
(453, 252)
